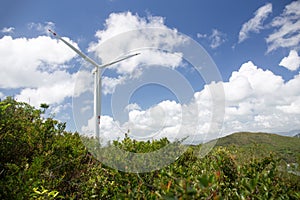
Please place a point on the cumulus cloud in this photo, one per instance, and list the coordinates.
(287, 28)
(292, 108)
(53, 93)
(109, 129)
(109, 84)
(37, 67)
(126, 32)
(59, 108)
(132, 106)
(256, 100)
(292, 61)
(23, 61)
(57, 86)
(259, 100)
(256, 23)
(150, 122)
(263, 82)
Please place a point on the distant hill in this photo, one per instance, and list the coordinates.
(290, 133)
(245, 138)
(287, 148)
(297, 135)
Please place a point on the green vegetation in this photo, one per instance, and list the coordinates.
(40, 160)
(261, 144)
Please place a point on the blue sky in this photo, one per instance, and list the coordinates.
(254, 44)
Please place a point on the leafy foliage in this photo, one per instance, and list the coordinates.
(40, 160)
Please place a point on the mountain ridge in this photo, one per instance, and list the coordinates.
(285, 147)
(248, 137)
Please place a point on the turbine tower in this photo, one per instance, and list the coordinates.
(97, 80)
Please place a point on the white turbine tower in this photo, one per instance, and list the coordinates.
(97, 80)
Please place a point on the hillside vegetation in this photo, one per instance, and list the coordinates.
(286, 148)
(40, 160)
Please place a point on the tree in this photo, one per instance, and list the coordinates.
(44, 106)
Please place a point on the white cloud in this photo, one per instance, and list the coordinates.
(85, 109)
(291, 88)
(109, 129)
(132, 106)
(263, 102)
(8, 30)
(23, 61)
(292, 108)
(56, 88)
(238, 88)
(59, 108)
(256, 100)
(292, 61)
(287, 28)
(216, 38)
(262, 82)
(149, 123)
(125, 32)
(109, 84)
(84, 82)
(50, 94)
(42, 28)
(256, 23)
(133, 32)
(38, 68)
(199, 35)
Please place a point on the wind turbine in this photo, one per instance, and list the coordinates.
(97, 79)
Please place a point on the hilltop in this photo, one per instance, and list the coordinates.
(287, 148)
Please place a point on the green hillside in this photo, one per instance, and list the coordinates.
(287, 148)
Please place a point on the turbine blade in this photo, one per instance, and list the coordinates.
(88, 59)
(85, 57)
(119, 60)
